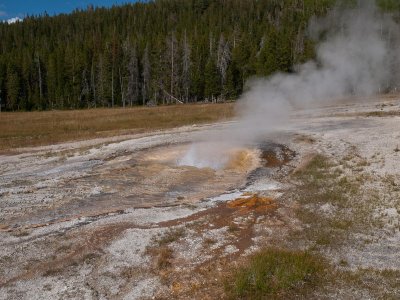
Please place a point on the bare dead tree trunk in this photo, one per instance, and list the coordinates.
(93, 84)
(121, 82)
(133, 75)
(298, 45)
(172, 52)
(112, 87)
(40, 77)
(146, 74)
(186, 68)
(223, 60)
(171, 96)
(211, 43)
(172, 66)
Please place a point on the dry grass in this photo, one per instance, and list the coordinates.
(25, 129)
(207, 242)
(382, 114)
(160, 248)
(233, 228)
(164, 257)
(171, 236)
(377, 114)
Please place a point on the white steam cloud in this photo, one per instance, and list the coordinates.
(357, 56)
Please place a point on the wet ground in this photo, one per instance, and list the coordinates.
(143, 179)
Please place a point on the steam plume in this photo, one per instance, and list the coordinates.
(356, 57)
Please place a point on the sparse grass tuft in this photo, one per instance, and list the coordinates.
(381, 114)
(380, 284)
(160, 248)
(165, 255)
(21, 233)
(333, 207)
(207, 242)
(275, 273)
(130, 272)
(90, 256)
(171, 236)
(52, 272)
(233, 227)
(321, 185)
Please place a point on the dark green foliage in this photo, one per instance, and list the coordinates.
(84, 59)
(389, 5)
(212, 86)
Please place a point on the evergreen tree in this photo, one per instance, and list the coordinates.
(159, 51)
(212, 87)
(13, 87)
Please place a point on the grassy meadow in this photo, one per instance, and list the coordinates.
(27, 129)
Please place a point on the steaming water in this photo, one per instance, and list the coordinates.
(221, 157)
(357, 55)
(204, 156)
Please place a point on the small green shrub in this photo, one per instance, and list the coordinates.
(274, 273)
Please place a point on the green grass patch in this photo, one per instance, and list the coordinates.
(276, 274)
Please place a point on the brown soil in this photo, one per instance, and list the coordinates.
(205, 281)
(254, 203)
(243, 160)
(277, 158)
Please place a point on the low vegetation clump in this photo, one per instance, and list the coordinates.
(160, 248)
(172, 235)
(275, 273)
(382, 114)
(165, 255)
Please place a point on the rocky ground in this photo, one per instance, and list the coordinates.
(120, 219)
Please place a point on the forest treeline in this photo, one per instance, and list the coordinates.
(162, 51)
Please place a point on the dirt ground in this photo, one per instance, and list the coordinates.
(118, 218)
